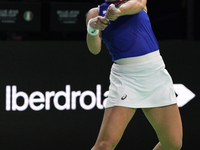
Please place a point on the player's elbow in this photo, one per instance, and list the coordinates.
(94, 44)
(94, 48)
(94, 51)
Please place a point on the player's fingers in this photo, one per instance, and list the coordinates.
(102, 23)
(105, 21)
(112, 18)
(110, 7)
(109, 14)
(101, 26)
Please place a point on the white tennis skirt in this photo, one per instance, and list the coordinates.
(145, 83)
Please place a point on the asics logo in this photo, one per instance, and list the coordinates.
(124, 97)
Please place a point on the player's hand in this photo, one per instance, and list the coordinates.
(99, 23)
(112, 14)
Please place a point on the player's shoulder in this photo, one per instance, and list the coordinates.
(93, 12)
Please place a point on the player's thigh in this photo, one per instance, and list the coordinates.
(114, 123)
(166, 121)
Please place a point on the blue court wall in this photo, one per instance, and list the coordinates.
(52, 94)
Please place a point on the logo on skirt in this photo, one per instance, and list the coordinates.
(124, 97)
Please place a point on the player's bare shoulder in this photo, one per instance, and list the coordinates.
(93, 12)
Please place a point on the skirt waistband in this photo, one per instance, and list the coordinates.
(138, 60)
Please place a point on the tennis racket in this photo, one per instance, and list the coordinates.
(118, 4)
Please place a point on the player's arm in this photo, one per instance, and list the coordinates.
(132, 7)
(145, 9)
(129, 8)
(96, 23)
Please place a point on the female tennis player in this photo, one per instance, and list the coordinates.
(138, 77)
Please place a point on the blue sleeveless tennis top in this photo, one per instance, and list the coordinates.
(129, 35)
